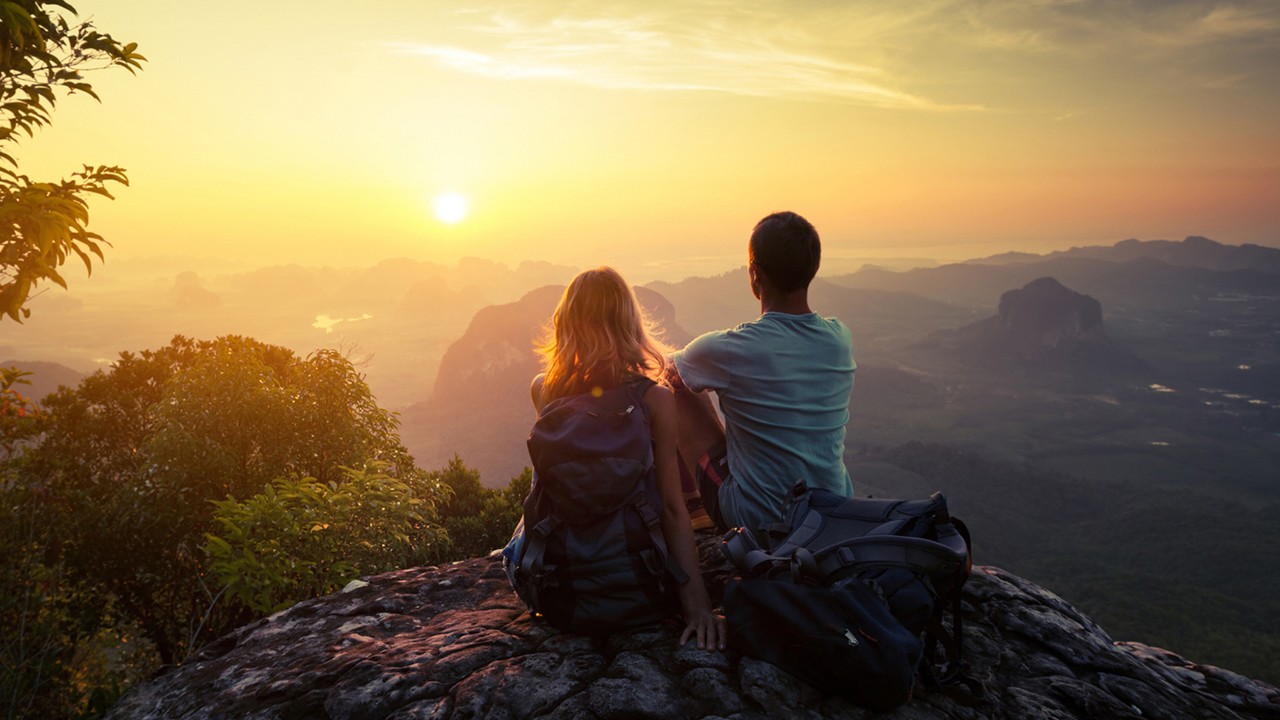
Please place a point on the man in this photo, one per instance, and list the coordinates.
(783, 381)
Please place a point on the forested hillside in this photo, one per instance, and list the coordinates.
(192, 488)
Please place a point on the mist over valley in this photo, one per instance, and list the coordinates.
(1107, 419)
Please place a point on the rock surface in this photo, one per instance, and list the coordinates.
(455, 642)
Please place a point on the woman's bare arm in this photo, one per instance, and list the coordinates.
(700, 623)
(535, 392)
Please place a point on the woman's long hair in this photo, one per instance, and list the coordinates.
(599, 334)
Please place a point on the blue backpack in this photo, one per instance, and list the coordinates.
(589, 555)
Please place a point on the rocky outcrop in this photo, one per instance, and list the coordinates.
(1043, 316)
(1041, 328)
(188, 292)
(455, 642)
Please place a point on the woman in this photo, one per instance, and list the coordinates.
(599, 340)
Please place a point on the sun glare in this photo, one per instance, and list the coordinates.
(450, 207)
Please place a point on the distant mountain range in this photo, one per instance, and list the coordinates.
(394, 318)
(1131, 275)
(45, 377)
(1041, 314)
(1194, 251)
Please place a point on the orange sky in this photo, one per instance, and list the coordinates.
(634, 132)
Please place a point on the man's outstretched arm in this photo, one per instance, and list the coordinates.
(698, 426)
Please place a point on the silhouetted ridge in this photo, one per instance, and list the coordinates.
(1194, 251)
(45, 377)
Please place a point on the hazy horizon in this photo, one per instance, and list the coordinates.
(376, 311)
(620, 132)
(119, 267)
(289, 165)
(395, 317)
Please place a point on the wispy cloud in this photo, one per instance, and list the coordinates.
(1075, 45)
(1222, 23)
(742, 53)
(931, 55)
(1127, 25)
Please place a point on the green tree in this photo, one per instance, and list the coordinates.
(36, 648)
(132, 460)
(18, 416)
(300, 537)
(40, 637)
(478, 519)
(52, 657)
(42, 224)
(517, 490)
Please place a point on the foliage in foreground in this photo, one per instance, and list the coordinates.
(190, 489)
(478, 519)
(300, 538)
(43, 53)
(131, 460)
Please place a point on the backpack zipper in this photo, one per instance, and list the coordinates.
(615, 413)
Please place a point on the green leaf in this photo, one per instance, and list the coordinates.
(222, 547)
(40, 53)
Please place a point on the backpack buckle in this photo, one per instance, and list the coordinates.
(802, 565)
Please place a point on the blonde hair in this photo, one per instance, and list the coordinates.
(598, 335)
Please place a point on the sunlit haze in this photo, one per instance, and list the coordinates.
(639, 133)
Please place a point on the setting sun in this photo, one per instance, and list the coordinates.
(450, 208)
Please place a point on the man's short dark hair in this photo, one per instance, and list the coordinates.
(786, 250)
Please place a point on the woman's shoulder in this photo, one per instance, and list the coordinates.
(535, 390)
(642, 383)
(659, 397)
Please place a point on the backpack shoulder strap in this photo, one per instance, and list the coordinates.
(535, 551)
(638, 386)
(641, 383)
(920, 555)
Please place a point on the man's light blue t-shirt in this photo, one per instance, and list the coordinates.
(784, 382)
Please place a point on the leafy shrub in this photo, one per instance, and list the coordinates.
(478, 519)
(300, 537)
(18, 414)
(49, 614)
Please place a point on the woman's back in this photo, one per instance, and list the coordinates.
(594, 558)
(606, 534)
